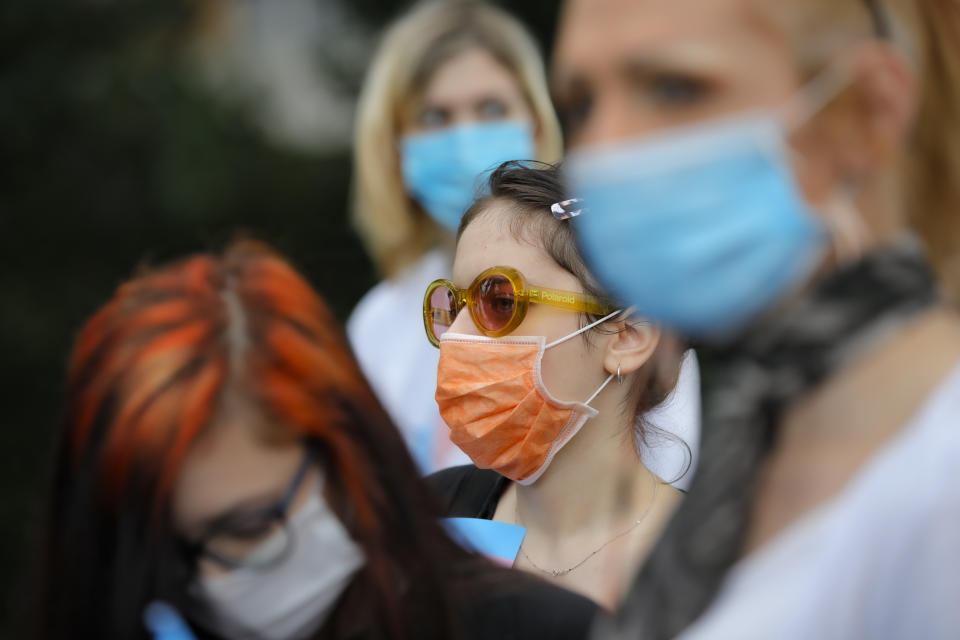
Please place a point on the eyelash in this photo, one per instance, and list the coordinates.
(573, 111)
(489, 109)
(677, 90)
(250, 530)
(434, 118)
(492, 109)
(664, 90)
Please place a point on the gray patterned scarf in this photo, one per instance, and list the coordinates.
(746, 387)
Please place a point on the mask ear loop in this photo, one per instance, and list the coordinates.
(849, 232)
(815, 96)
(584, 329)
(601, 388)
(843, 219)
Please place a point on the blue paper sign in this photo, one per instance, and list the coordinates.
(500, 541)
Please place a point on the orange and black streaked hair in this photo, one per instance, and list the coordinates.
(149, 369)
(147, 376)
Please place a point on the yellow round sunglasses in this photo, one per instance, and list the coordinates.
(498, 299)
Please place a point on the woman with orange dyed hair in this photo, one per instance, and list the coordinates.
(222, 453)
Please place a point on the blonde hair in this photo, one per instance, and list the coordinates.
(394, 228)
(927, 32)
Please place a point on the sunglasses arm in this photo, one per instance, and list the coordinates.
(568, 300)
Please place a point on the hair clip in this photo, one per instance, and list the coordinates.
(563, 210)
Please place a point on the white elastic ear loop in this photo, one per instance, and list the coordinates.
(848, 231)
(814, 96)
(575, 334)
(597, 392)
(586, 328)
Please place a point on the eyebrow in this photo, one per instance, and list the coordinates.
(688, 56)
(470, 101)
(685, 57)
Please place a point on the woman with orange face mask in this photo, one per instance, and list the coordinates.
(544, 382)
(455, 89)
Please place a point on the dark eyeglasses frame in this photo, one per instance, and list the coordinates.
(277, 511)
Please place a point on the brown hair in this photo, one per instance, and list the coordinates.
(932, 162)
(531, 188)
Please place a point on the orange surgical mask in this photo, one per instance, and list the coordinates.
(492, 397)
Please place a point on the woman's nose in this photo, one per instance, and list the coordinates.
(463, 323)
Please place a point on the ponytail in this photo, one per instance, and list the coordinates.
(932, 162)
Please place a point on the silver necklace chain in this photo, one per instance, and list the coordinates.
(562, 572)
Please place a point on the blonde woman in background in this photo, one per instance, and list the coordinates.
(455, 89)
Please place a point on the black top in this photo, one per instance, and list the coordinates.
(468, 492)
(533, 608)
(497, 604)
(527, 608)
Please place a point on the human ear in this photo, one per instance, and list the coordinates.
(882, 110)
(846, 150)
(856, 135)
(632, 346)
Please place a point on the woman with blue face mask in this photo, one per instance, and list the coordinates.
(788, 170)
(455, 89)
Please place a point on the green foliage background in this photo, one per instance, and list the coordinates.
(113, 157)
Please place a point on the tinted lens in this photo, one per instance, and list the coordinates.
(443, 310)
(496, 302)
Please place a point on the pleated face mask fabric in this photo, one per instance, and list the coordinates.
(291, 599)
(446, 170)
(703, 227)
(491, 395)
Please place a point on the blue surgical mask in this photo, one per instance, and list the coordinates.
(701, 228)
(446, 170)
